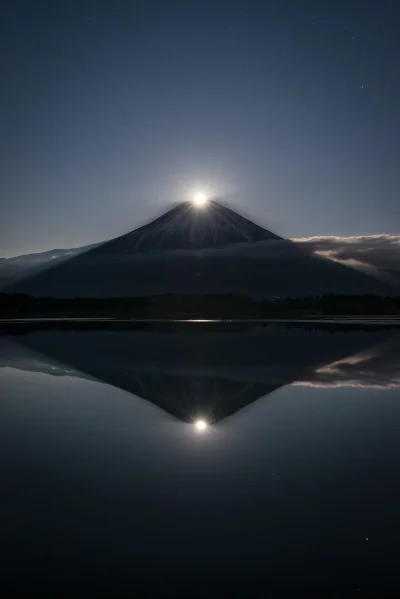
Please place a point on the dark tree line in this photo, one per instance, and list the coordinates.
(197, 306)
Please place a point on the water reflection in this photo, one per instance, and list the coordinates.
(111, 486)
(207, 374)
(377, 366)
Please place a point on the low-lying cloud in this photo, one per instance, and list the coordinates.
(375, 251)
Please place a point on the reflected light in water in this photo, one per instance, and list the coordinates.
(200, 320)
(200, 425)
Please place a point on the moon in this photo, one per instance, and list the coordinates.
(199, 199)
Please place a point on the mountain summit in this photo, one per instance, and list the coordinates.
(188, 227)
(189, 250)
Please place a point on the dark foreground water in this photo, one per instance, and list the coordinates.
(110, 489)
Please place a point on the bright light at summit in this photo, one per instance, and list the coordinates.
(200, 425)
(199, 199)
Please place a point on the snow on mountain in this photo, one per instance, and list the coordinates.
(187, 227)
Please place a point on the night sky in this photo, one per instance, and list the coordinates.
(112, 111)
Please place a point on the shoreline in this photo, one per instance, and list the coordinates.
(329, 319)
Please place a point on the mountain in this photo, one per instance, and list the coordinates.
(188, 227)
(208, 373)
(211, 249)
(394, 276)
(21, 267)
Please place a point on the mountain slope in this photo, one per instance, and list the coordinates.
(192, 250)
(187, 227)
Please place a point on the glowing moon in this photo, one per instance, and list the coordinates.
(200, 425)
(199, 199)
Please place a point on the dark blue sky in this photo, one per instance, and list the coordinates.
(111, 111)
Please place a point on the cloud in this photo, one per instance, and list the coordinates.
(380, 252)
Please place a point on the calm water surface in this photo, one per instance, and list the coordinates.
(109, 487)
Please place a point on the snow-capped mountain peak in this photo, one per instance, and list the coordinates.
(188, 226)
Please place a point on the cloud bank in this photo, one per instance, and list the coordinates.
(374, 251)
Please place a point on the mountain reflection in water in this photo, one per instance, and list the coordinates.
(210, 371)
(207, 459)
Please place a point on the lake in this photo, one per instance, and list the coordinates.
(199, 457)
